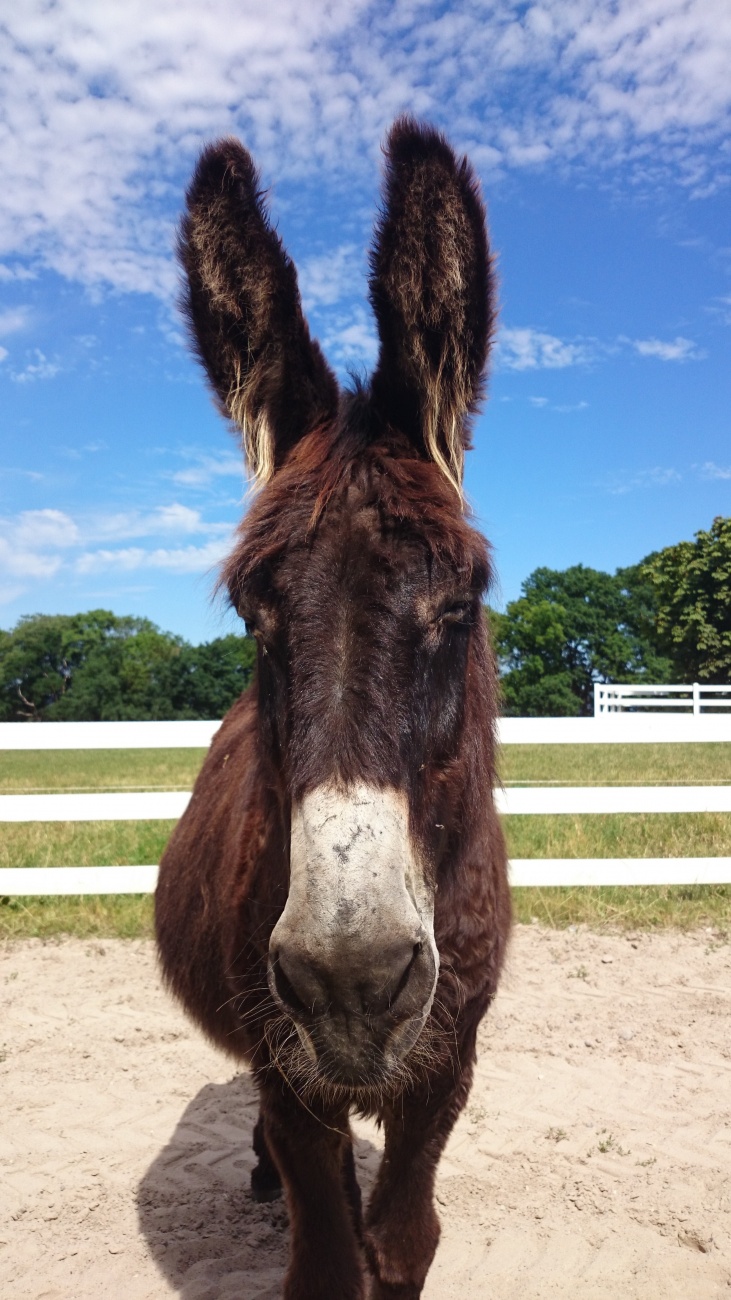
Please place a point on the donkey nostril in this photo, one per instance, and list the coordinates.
(287, 993)
(406, 974)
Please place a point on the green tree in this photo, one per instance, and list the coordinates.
(206, 679)
(125, 677)
(40, 657)
(99, 667)
(692, 592)
(568, 630)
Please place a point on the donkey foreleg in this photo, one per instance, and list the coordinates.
(312, 1150)
(266, 1185)
(402, 1226)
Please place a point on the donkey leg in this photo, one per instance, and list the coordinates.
(266, 1185)
(402, 1227)
(312, 1150)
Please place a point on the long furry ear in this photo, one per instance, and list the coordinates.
(432, 293)
(244, 311)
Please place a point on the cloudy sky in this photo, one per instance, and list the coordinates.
(601, 132)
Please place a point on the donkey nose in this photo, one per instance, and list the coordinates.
(393, 979)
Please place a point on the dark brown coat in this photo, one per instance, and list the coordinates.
(362, 580)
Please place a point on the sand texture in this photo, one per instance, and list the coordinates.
(593, 1159)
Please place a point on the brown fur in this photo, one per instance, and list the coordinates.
(362, 580)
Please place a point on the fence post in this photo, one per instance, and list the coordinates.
(696, 698)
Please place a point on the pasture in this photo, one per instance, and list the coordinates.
(611, 835)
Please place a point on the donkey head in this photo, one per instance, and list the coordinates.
(361, 580)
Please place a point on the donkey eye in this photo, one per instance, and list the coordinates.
(458, 611)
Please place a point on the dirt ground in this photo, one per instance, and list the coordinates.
(593, 1160)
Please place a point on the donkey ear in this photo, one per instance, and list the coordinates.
(244, 311)
(432, 293)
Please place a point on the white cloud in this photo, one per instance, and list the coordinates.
(9, 593)
(104, 106)
(3, 353)
(524, 348)
(329, 277)
(721, 309)
(678, 349)
(35, 544)
(566, 408)
(41, 368)
(350, 339)
(207, 468)
(39, 528)
(12, 320)
(709, 470)
(16, 562)
(175, 518)
(9, 273)
(657, 476)
(187, 559)
(30, 543)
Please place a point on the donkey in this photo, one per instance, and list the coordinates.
(333, 907)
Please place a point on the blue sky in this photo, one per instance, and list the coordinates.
(601, 134)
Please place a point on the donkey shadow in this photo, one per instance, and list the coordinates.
(204, 1230)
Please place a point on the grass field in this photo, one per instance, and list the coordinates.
(611, 836)
(37, 772)
(48, 771)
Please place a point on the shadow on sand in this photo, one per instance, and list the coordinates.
(205, 1232)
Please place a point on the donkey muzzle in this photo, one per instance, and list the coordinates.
(352, 959)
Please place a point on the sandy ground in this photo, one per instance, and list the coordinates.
(593, 1160)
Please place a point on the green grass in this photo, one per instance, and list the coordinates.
(176, 769)
(47, 771)
(619, 835)
(630, 835)
(644, 907)
(611, 836)
(703, 764)
(129, 916)
(80, 844)
(107, 916)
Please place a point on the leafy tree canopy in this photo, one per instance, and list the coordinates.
(572, 628)
(691, 585)
(99, 667)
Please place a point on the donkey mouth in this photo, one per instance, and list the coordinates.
(359, 1059)
(362, 1050)
(355, 1030)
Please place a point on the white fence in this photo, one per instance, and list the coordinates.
(691, 698)
(611, 728)
(607, 729)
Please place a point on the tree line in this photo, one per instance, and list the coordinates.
(666, 619)
(97, 667)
